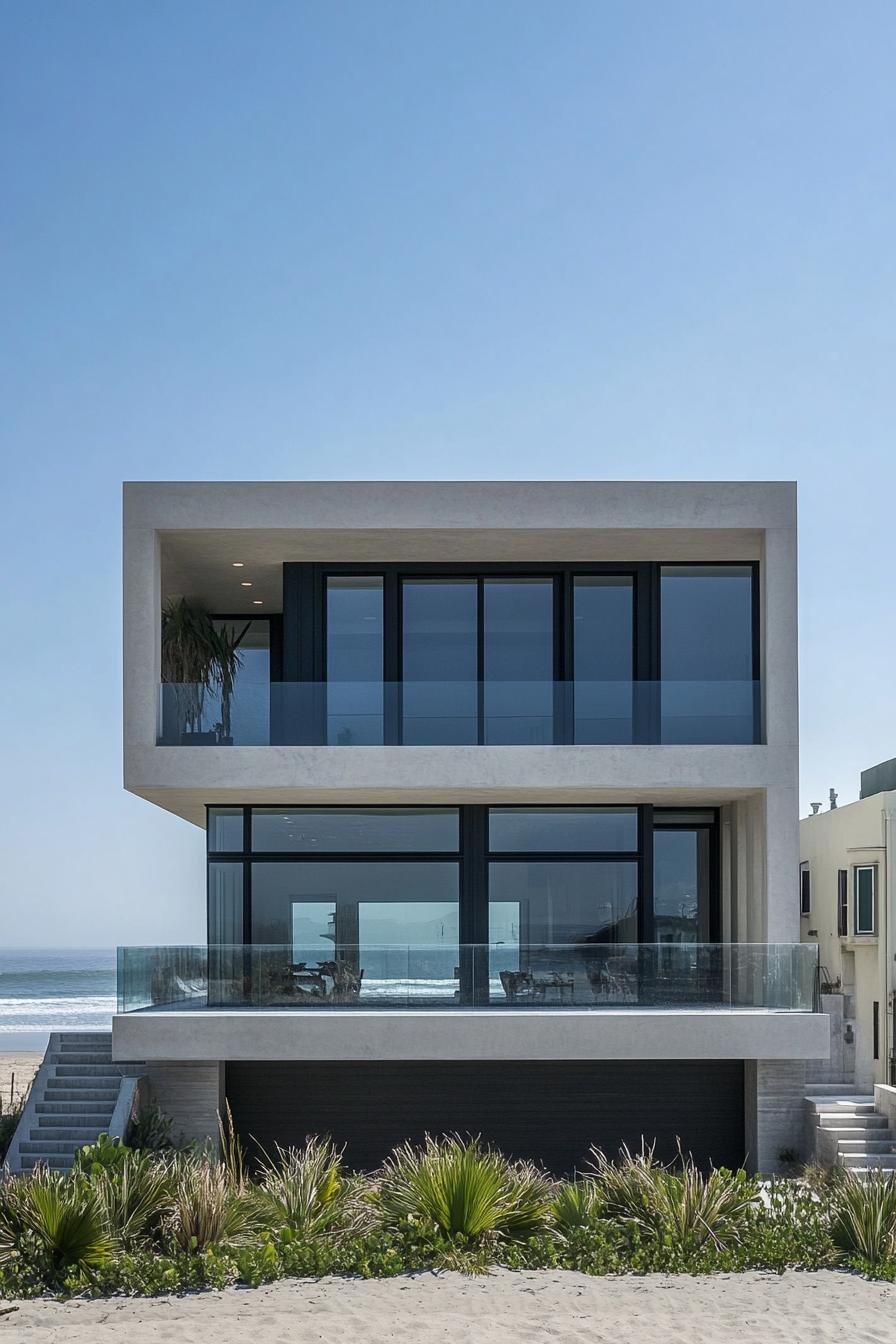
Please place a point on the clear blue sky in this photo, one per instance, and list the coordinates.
(373, 239)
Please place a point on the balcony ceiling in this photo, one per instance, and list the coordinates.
(200, 563)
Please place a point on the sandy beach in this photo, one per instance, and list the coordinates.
(502, 1308)
(17, 1070)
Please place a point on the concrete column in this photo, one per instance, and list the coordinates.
(782, 862)
(192, 1095)
(774, 1101)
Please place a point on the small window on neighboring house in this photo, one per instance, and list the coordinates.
(805, 889)
(864, 912)
(842, 903)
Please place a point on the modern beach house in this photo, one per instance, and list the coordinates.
(499, 787)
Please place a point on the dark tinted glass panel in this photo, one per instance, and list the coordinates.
(706, 618)
(519, 661)
(225, 829)
(680, 884)
(355, 661)
(355, 830)
(245, 715)
(597, 829)
(603, 657)
(225, 902)
(864, 918)
(392, 928)
(439, 661)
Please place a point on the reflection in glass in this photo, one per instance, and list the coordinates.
(572, 920)
(522, 829)
(355, 660)
(225, 932)
(225, 829)
(680, 884)
(706, 642)
(519, 661)
(376, 930)
(342, 830)
(439, 661)
(603, 657)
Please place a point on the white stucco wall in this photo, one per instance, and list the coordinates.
(853, 835)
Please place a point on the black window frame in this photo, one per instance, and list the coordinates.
(861, 868)
(474, 856)
(304, 641)
(842, 903)
(805, 891)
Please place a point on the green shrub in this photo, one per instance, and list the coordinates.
(682, 1209)
(863, 1216)
(306, 1190)
(136, 1198)
(56, 1222)
(106, 1154)
(151, 1129)
(464, 1190)
(575, 1204)
(206, 1209)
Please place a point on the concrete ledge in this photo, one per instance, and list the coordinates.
(469, 1034)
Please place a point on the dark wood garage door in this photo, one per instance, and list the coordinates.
(548, 1111)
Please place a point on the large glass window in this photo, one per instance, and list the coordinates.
(339, 830)
(603, 657)
(706, 653)
(388, 929)
(555, 927)
(355, 660)
(579, 829)
(439, 633)
(245, 714)
(518, 619)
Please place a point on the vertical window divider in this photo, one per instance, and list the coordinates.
(392, 625)
(645, 874)
(480, 659)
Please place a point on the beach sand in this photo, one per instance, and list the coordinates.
(17, 1069)
(502, 1308)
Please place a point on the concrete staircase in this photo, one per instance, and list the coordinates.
(74, 1099)
(848, 1130)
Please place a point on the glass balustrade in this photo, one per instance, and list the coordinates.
(597, 976)
(462, 713)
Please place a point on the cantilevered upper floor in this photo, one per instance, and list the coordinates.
(389, 641)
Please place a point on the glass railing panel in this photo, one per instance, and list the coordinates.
(458, 713)
(683, 976)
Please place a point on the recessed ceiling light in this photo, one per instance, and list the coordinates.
(257, 602)
(246, 583)
(237, 564)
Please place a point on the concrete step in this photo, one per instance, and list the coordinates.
(847, 1121)
(34, 1147)
(857, 1105)
(81, 1057)
(820, 1091)
(69, 1070)
(866, 1161)
(55, 1162)
(74, 1107)
(86, 1132)
(98, 1094)
(866, 1145)
(97, 1037)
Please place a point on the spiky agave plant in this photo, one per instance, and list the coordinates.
(307, 1190)
(464, 1189)
(863, 1215)
(136, 1198)
(59, 1221)
(682, 1207)
(575, 1204)
(206, 1209)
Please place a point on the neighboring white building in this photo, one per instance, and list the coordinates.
(501, 814)
(846, 898)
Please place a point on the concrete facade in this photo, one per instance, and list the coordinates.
(182, 539)
(861, 965)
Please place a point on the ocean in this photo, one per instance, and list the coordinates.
(63, 989)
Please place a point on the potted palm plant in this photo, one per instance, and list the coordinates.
(198, 657)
